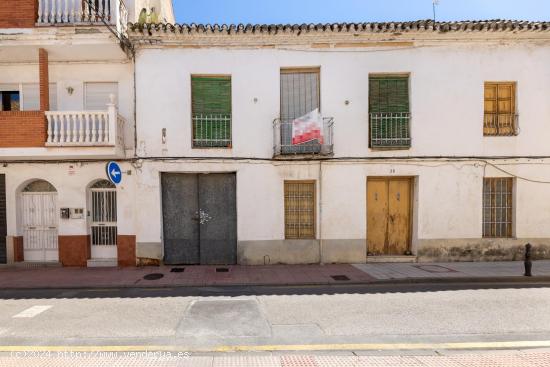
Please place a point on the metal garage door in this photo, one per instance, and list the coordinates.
(3, 223)
(199, 218)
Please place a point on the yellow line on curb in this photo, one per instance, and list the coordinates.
(282, 347)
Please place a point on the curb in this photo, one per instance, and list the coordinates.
(405, 281)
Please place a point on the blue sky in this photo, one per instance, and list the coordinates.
(327, 11)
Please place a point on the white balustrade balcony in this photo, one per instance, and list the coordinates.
(83, 12)
(85, 128)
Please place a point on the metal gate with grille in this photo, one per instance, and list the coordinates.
(103, 226)
(199, 218)
(39, 220)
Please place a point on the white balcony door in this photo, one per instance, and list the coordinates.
(300, 95)
(40, 223)
(103, 225)
(97, 95)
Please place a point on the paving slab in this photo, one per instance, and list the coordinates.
(330, 274)
(516, 359)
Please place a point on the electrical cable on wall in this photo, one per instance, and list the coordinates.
(137, 162)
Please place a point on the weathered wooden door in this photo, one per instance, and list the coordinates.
(199, 218)
(388, 215)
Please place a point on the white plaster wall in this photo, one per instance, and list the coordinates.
(447, 205)
(446, 95)
(71, 182)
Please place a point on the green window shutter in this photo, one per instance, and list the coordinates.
(211, 95)
(211, 108)
(388, 94)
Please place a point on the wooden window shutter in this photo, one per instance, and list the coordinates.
(299, 209)
(499, 108)
(388, 94)
(211, 95)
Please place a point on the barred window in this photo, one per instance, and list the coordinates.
(299, 209)
(497, 207)
(500, 118)
(211, 110)
(389, 114)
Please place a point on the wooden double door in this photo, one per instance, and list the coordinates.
(389, 215)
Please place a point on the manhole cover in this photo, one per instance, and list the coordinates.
(222, 270)
(339, 277)
(153, 276)
(177, 270)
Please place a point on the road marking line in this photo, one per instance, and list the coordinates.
(32, 312)
(298, 347)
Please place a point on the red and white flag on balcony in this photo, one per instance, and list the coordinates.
(308, 128)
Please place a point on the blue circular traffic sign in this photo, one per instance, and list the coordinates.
(114, 173)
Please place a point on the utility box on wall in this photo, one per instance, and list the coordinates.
(72, 213)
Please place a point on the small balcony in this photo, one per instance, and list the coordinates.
(500, 124)
(390, 130)
(85, 128)
(212, 131)
(83, 12)
(283, 144)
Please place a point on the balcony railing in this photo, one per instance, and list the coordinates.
(85, 128)
(282, 138)
(500, 124)
(53, 12)
(390, 130)
(211, 131)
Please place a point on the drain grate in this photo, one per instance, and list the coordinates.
(153, 276)
(222, 270)
(339, 277)
(177, 270)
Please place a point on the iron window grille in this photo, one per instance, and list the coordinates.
(389, 115)
(299, 209)
(497, 207)
(500, 118)
(211, 111)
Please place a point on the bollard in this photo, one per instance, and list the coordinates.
(528, 264)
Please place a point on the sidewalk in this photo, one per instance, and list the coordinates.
(174, 276)
(514, 358)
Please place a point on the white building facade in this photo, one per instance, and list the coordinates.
(67, 86)
(434, 145)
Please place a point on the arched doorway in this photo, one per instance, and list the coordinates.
(39, 221)
(103, 220)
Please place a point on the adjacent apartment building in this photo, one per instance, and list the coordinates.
(67, 91)
(269, 144)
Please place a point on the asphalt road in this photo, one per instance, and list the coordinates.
(207, 319)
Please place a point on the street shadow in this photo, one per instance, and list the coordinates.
(239, 291)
